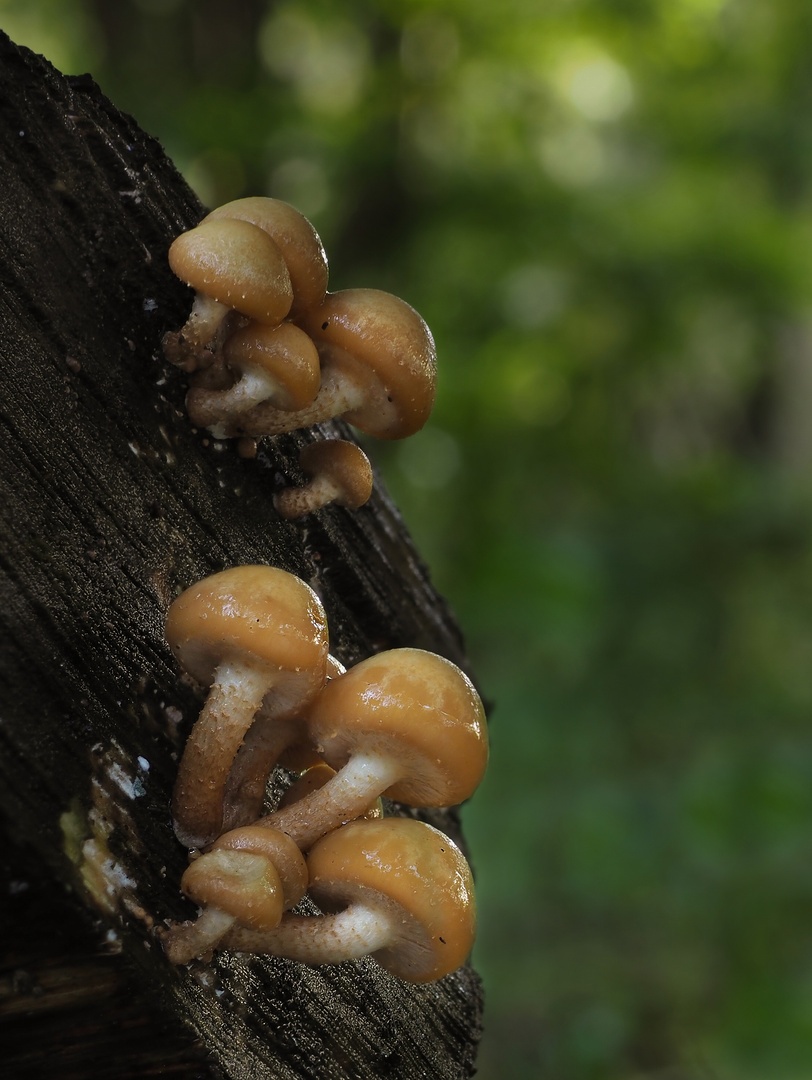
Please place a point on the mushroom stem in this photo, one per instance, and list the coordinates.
(336, 397)
(356, 931)
(184, 941)
(266, 740)
(207, 407)
(196, 345)
(295, 502)
(346, 796)
(233, 701)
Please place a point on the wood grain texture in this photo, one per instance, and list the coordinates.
(110, 504)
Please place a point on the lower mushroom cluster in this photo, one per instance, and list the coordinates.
(405, 723)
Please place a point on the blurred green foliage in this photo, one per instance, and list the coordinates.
(603, 211)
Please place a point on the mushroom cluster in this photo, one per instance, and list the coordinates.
(405, 724)
(270, 350)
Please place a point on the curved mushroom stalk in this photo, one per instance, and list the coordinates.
(279, 364)
(378, 369)
(248, 878)
(394, 889)
(235, 695)
(339, 473)
(199, 342)
(257, 636)
(405, 723)
(315, 777)
(342, 391)
(233, 266)
(271, 740)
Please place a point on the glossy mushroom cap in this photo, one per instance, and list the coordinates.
(417, 707)
(240, 884)
(275, 848)
(257, 636)
(278, 363)
(395, 889)
(258, 612)
(384, 341)
(295, 237)
(236, 264)
(425, 880)
(340, 473)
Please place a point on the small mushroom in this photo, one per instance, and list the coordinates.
(405, 723)
(271, 363)
(295, 237)
(233, 266)
(378, 369)
(340, 473)
(257, 637)
(247, 878)
(395, 889)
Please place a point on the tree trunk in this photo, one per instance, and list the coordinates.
(110, 504)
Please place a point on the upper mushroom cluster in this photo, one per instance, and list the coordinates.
(270, 350)
(406, 724)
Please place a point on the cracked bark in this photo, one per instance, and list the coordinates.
(110, 504)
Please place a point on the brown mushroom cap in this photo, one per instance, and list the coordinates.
(386, 343)
(260, 612)
(296, 238)
(426, 882)
(243, 885)
(378, 369)
(340, 473)
(418, 707)
(237, 264)
(278, 850)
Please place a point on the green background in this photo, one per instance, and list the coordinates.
(603, 211)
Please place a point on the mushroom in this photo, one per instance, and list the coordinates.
(271, 363)
(257, 637)
(295, 237)
(396, 889)
(247, 878)
(340, 473)
(405, 723)
(233, 266)
(378, 369)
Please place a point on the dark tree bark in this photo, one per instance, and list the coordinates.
(110, 504)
